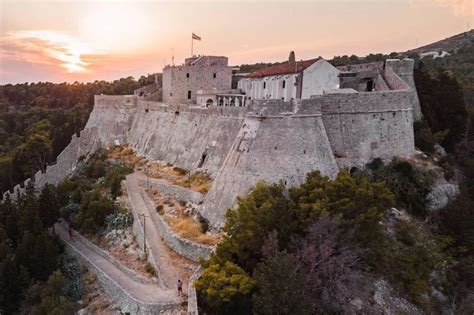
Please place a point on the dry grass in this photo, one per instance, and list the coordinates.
(188, 228)
(178, 220)
(199, 181)
(126, 155)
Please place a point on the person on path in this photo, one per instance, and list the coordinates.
(180, 288)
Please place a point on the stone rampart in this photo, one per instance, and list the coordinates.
(66, 162)
(271, 149)
(189, 139)
(192, 295)
(404, 69)
(178, 192)
(115, 100)
(363, 126)
(393, 81)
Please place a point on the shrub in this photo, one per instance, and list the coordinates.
(225, 287)
(410, 185)
(160, 209)
(204, 223)
(150, 269)
(119, 219)
(180, 171)
(412, 257)
(93, 210)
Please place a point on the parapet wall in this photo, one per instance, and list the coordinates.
(363, 126)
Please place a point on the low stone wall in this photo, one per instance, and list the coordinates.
(138, 230)
(173, 190)
(126, 302)
(192, 295)
(99, 251)
(182, 246)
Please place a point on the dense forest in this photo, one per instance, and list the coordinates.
(37, 121)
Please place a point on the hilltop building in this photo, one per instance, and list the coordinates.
(181, 83)
(291, 80)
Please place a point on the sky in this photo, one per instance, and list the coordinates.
(68, 41)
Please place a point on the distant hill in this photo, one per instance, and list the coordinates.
(449, 44)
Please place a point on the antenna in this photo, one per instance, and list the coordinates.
(172, 57)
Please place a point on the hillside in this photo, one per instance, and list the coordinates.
(449, 44)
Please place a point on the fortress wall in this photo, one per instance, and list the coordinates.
(183, 137)
(404, 69)
(380, 84)
(110, 121)
(371, 66)
(268, 107)
(210, 111)
(363, 126)
(271, 149)
(115, 100)
(393, 81)
(66, 162)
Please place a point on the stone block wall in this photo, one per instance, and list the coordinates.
(173, 190)
(178, 80)
(363, 126)
(182, 246)
(126, 302)
(271, 149)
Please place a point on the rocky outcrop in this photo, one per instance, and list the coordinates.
(441, 195)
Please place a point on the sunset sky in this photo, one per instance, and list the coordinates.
(87, 40)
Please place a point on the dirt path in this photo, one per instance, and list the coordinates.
(169, 268)
(145, 292)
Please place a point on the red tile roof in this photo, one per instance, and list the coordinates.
(286, 68)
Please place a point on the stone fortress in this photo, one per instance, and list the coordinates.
(281, 123)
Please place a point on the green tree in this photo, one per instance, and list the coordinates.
(225, 287)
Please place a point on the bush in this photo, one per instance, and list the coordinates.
(160, 209)
(119, 219)
(180, 171)
(150, 269)
(204, 223)
(410, 185)
(113, 178)
(226, 288)
(412, 257)
(93, 210)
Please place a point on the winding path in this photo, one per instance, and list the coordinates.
(149, 293)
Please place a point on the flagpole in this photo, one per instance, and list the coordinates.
(192, 41)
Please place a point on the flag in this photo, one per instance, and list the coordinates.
(196, 37)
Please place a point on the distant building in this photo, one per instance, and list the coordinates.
(292, 80)
(180, 83)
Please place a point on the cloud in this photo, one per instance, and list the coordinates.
(47, 48)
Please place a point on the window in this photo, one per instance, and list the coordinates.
(214, 75)
(189, 95)
(187, 75)
(284, 83)
(264, 85)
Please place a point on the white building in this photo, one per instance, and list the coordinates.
(292, 80)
